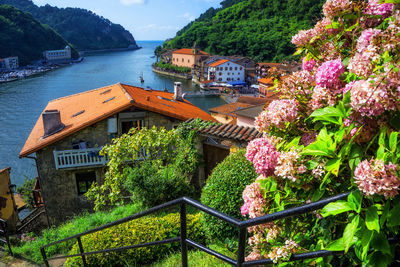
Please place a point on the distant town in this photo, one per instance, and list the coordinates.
(10, 70)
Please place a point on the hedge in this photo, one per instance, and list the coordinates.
(138, 231)
(223, 192)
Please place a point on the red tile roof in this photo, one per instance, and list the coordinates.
(219, 62)
(189, 51)
(229, 131)
(266, 81)
(102, 103)
(227, 109)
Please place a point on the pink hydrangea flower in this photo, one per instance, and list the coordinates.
(370, 98)
(309, 65)
(365, 38)
(287, 166)
(303, 37)
(254, 203)
(254, 146)
(328, 74)
(375, 8)
(333, 8)
(265, 160)
(321, 97)
(361, 63)
(374, 177)
(254, 255)
(280, 112)
(245, 209)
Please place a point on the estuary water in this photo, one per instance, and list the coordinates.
(21, 102)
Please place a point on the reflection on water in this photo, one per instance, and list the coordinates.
(22, 102)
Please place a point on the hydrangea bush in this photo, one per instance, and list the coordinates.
(335, 129)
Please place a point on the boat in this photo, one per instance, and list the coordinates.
(141, 77)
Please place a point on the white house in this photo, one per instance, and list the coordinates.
(9, 63)
(58, 55)
(224, 70)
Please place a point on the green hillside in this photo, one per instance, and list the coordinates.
(260, 29)
(23, 36)
(82, 28)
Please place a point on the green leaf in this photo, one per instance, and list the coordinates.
(336, 245)
(365, 241)
(380, 154)
(372, 219)
(394, 216)
(379, 259)
(382, 136)
(393, 141)
(293, 143)
(349, 232)
(355, 198)
(318, 148)
(380, 242)
(355, 156)
(333, 166)
(318, 194)
(335, 208)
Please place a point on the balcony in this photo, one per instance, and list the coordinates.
(77, 158)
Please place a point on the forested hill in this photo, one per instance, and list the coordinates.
(260, 29)
(23, 36)
(82, 28)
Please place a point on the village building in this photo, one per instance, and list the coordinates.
(216, 141)
(247, 116)
(225, 71)
(264, 86)
(58, 56)
(188, 57)
(72, 130)
(9, 63)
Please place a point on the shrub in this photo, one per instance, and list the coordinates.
(154, 185)
(26, 191)
(223, 192)
(31, 250)
(142, 230)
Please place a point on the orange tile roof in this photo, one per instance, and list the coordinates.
(219, 62)
(102, 103)
(227, 109)
(252, 100)
(266, 81)
(188, 51)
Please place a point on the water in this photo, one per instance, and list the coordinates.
(23, 101)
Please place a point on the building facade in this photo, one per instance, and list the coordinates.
(187, 57)
(72, 130)
(9, 63)
(224, 70)
(63, 55)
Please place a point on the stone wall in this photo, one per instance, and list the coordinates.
(59, 187)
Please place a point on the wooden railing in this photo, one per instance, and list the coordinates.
(78, 158)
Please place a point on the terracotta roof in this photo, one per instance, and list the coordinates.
(6, 169)
(266, 81)
(188, 51)
(251, 112)
(219, 62)
(269, 64)
(229, 131)
(252, 100)
(84, 109)
(227, 109)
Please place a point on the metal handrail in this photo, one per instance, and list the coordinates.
(183, 202)
(4, 232)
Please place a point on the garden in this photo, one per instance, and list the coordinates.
(334, 130)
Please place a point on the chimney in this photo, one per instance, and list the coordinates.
(178, 91)
(51, 122)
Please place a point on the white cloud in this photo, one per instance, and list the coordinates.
(187, 16)
(133, 2)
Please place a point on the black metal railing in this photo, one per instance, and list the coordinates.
(184, 240)
(4, 233)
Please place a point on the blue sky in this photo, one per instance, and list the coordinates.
(145, 19)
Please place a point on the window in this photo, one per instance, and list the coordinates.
(228, 73)
(230, 68)
(226, 68)
(84, 180)
(238, 79)
(183, 60)
(188, 60)
(220, 79)
(240, 68)
(235, 68)
(126, 125)
(220, 73)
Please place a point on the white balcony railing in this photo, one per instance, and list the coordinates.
(78, 158)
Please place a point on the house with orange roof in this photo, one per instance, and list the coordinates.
(188, 57)
(71, 131)
(225, 70)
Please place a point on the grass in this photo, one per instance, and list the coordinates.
(84, 222)
(197, 258)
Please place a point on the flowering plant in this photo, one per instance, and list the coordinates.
(335, 128)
